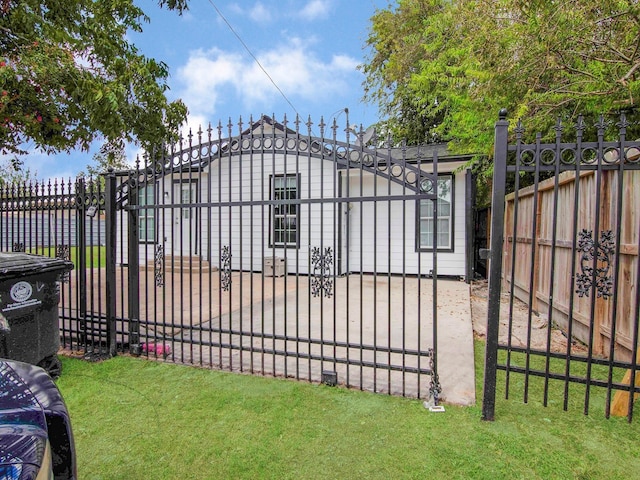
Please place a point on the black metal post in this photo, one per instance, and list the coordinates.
(81, 268)
(470, 204)
(435, 387)
(110, 257)
(495, 271)
(133, 270)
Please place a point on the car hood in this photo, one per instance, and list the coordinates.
(31, 411)
(23, 425)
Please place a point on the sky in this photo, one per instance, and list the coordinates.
(309, 48)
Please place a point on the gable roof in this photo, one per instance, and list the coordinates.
(265, 124)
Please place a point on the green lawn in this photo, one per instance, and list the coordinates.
(137, 419)
(96, 255)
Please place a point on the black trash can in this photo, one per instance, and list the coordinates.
(29, 298)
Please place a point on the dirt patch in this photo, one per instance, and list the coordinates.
(526, 328)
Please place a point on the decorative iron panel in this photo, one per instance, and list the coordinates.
(602, 253)
(321, 282)
(225, 268)
(158, 265)
(64, 252)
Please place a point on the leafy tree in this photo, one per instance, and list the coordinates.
(69, 75)
(12, 171)
(111, 155)
(396, 40)
(455, 64)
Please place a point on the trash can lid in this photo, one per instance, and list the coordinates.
(16, 264)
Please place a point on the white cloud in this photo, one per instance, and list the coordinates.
(204, 74)
(45, 168)
(133, 154)
(187, 16)
(315, 9)
(344, 62)
(210, 77)
(259, 13)
(235, 8)
(297, 72)
(196, 123)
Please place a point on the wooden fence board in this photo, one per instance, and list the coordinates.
(556, 209)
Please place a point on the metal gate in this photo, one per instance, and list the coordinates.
(277, 252)
(265, 248)
(563, 312)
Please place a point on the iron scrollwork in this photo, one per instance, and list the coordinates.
(158, 265)
(225, 268)
(321, 282)
(435, 389)
(18, 247)
(600, 275)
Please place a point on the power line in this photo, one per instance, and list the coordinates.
(252, 55)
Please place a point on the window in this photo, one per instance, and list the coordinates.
(285, 216)
(147, 218)
(445, 218)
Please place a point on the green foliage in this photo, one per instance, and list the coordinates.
(444, 69)
(397, 40)
(110, 155)
(12, 171)
(69, 75)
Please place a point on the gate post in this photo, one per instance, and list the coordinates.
(110, 257)
(495, 271)
(470, 214)
(133, 262)
(81, 252)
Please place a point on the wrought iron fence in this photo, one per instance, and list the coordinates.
(566, 247)
(266, 250)
(63, 219)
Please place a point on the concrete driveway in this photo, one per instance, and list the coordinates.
(375, 332)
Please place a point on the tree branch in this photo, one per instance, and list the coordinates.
(624, 80)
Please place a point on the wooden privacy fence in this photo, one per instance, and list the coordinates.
(587, 232)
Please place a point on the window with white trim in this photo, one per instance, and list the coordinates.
(285, 216)
(147, 217)
(445, 217)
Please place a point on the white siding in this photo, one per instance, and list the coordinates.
(383, 233)
(380, 235)
(245, 228)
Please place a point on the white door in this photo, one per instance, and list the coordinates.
(184, 219)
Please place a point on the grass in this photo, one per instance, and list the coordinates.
(96, 255)
(134, 418)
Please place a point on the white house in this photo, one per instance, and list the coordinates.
(274, 193)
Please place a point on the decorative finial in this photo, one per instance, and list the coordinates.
(502, 115)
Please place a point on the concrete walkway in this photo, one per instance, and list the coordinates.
(455, 343)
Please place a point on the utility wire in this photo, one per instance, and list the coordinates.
(252, 55)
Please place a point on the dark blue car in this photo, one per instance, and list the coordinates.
(36, 440)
